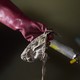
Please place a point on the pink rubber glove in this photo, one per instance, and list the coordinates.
(12, 17)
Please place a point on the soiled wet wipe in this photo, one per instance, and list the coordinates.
(36, 50)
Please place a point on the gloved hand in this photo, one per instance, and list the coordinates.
(12, 17)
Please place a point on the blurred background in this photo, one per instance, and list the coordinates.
(63, 16)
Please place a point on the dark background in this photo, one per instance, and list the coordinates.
(63, 16)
